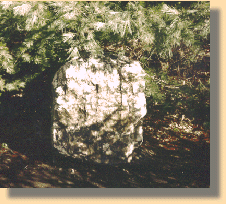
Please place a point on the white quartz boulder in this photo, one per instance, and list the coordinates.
(98, 108)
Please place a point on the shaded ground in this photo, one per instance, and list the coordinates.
(175, 154)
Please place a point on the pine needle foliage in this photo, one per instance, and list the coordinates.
(36, 36)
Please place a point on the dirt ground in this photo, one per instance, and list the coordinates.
(168, 158)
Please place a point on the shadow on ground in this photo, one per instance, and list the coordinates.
(171, 160)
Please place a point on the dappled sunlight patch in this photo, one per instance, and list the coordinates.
(42, 185)
(169, 131)
(182, 127)
(98, 185)
(171, 178)
(160, 181)
(76, 174)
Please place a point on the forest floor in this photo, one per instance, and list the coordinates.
(175, 154)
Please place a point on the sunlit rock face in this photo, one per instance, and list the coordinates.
(98, 106)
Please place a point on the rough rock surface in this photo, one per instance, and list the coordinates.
(98, 106)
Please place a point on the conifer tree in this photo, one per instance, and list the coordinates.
(37, 35)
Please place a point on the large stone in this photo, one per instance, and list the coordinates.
(98, 108)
